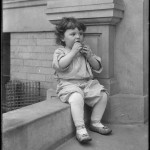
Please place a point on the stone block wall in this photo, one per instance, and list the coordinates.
(31, 57)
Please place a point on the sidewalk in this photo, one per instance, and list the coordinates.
(124, 137)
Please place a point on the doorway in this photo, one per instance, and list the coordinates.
(5, 64)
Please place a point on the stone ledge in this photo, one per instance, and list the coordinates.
(19, 117)
(48, 124)
(25, 128)
(121, 108)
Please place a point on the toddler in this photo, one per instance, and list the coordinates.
(74, 64)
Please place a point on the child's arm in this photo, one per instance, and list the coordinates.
(65, 61)
(93, 62)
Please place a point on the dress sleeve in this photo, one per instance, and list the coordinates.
(58, 54)
(99, 60)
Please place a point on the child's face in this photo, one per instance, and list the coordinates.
(71, 36)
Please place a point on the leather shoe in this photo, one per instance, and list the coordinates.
(102, 130)
(82, 135)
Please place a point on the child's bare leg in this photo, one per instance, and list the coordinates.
(77, 110)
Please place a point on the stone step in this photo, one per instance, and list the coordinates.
(48, 124)
(123, 137)
(122, 108)
(37, 127)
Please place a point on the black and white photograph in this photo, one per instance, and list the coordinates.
(75, 75)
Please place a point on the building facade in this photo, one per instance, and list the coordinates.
(117, 31)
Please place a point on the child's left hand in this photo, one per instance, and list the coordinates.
(86, 51)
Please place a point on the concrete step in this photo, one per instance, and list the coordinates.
(124, 137)
(122, 108)
(48, 124)
(40, 126)
(37, 127)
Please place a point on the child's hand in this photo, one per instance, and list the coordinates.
(77, 47)
(86, 51)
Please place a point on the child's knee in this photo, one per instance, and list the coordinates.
(76, 98)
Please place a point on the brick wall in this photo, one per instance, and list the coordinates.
(31, 58)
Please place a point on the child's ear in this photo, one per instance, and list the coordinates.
(62, 38)
(63, 41)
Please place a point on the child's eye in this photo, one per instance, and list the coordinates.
(81, 33)
(73, 34)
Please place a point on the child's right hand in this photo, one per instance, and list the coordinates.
(77, 47)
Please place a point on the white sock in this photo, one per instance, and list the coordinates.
(81, 130)
(98, 124)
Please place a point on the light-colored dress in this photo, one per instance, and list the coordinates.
(77, 77)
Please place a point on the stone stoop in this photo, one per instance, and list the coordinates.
(40, 126)
(121, 108)
(48, 124)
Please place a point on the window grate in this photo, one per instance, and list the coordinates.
(20, 94)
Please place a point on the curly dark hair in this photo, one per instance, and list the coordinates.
(64, 24)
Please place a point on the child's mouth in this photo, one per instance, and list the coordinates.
(77, 40)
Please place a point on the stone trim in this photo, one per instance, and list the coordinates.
(67, 3)
(23, 3)
(90, 12)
